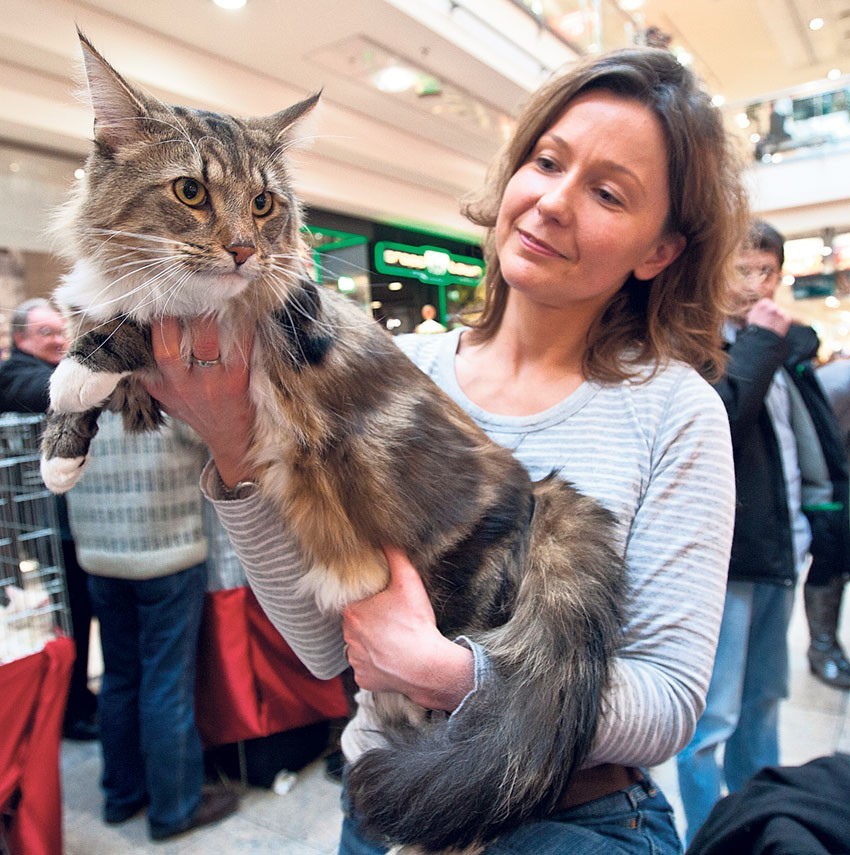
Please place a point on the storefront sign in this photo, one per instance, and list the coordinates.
(428, 264)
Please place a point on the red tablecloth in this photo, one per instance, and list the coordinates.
(33, 693)
(250, 683)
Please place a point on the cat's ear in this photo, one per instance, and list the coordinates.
(284, 122)
(118, 107)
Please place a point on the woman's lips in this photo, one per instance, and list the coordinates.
(538, 246)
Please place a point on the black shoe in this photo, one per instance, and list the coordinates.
(334, 763)
(80, 730)
(113, 815)
(829, 665)
(215, 805)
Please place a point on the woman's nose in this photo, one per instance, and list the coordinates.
(557, 202)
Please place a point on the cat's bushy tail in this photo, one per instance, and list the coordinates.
(508, 753)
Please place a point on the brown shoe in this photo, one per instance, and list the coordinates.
(215, 805)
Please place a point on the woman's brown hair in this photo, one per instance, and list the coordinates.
(678, 314)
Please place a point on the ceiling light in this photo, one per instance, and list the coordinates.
(832, 302)
(395, 286)
(395, 78)
(230, 4)
(834, 73)
(816, 24)
(743, 120)
(718, 100)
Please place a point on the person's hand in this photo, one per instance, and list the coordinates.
(211, 399)
(765, 313)
(394, 644)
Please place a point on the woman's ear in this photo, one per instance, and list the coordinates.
(669, 248)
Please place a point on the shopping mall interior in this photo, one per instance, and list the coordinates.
(417, 97)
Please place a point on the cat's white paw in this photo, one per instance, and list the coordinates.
(61, 473)
(75, 389)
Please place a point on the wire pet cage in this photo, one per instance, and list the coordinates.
(33, 593)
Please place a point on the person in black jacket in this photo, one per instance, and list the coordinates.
(825, 584)
(791, 480)
(39, 341)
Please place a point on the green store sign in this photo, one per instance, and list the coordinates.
(428, 264)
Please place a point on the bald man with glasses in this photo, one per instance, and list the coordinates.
(39, 341)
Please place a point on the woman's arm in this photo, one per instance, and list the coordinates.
(677, 554)
(214, 401)
(394, 643)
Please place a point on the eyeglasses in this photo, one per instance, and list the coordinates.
(757, 274)
(49, 332)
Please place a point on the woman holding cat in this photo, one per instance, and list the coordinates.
(612, 215)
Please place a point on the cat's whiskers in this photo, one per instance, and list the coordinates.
(305, 140)
(173, 292)
(283, 299)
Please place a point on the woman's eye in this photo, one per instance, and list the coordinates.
(190, 192)
(261, 206)
(546, 164)
(608, 197)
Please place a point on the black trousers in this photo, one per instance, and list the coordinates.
(82, 703)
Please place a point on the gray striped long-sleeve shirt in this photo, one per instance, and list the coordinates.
(658, 455)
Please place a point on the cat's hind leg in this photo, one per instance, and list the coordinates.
(65, 446)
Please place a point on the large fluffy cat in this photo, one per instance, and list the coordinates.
(186, 212)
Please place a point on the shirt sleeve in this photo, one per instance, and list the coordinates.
(274, 568)
(677, 556)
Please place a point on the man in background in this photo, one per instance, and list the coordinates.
(39, 341)
(791, 483)
(429, 324)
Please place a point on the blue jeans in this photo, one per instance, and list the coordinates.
(634, 821)
(750, 677)
(151, 747)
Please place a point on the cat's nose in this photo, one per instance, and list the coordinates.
(241, 252)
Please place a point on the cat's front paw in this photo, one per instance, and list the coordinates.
(60, 474)
(75, 388)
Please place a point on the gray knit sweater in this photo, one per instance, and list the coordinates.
(137, 511)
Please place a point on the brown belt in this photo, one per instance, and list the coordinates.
(596, 782)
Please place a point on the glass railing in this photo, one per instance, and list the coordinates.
(797, 124)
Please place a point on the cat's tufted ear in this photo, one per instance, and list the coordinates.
(285, 121)
(117, 106)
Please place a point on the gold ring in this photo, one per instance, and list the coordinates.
(206, 363)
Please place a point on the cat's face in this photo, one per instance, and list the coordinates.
(184, 210)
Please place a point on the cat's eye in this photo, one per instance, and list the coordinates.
(261, 206)
(190, 192)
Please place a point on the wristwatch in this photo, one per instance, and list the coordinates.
(242, 490)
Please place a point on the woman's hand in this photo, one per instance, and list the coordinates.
(212, 399)
(394, 644)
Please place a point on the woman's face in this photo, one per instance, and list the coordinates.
(589, 205)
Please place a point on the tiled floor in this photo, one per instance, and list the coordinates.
(815, 721)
